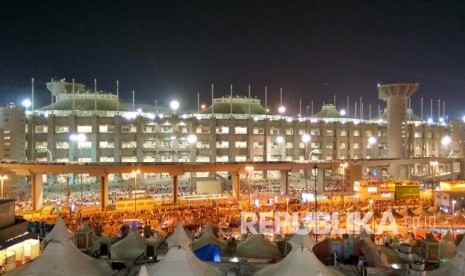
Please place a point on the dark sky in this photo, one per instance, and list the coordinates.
(176, 49)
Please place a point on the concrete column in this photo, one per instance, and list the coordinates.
(37, 192)
(175, 189)
(104, 192)
(284, 182)
(236, 186)
(320, 181)
(462, 169)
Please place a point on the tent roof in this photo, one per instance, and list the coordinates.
(131, 247)
(143, 271)
(258, 247)
(64, 259)
(179, 237)
(206, 239)
(299, 262)
(59, 232)
(181, 262)
(299, 241)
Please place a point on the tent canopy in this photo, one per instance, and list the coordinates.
(129, 248)
(258, 247)
(181, 262)
(59, 232)
(64, 259)
(179, 237)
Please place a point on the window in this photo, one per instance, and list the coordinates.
(84, 129)
(356, 146)
(240, 130)
(342, 146)
(343, 133)
(106, 129)
(41, 129)
(368, 133)
(61, 129)
(315, 131)
(258, 130)
(329, 132)
(128, 129)
(356, 133)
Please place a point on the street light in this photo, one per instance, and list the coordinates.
(433, 165)
(343, 166)
(315, 173)
(445, 141)
(305, 139)
(371, 209)
(371, 141)
(174, 105)
(192, 139)
(135, 173)
(79, 138)
(2, 178)
(47, 151)
(26, 103)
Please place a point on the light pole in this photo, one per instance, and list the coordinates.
(433, 165)
(135, 173)
(445, 141)
(371, 209)
(49, 153)
(78, 139)
(2, 178)
(453, 212)
(192, 140)
(315, 173)
(280, 141)
(306, 138)
(174, 104)
(343, 166)
(371, 141)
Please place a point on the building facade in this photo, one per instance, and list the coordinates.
(232, 129)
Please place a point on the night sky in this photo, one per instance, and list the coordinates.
(176, 49)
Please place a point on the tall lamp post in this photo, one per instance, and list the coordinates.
(280, 141)
(433, 165)
(315, 173)
(371, 141)
(2, 178)
(305, 139)
(135, 173)
(78, 139)
(371, 209)
(343, 166)
(49, 153)
(192, 140)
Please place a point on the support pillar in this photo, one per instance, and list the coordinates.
(236, 186)
(175, 189)
(284, 182)
(104, 192)
(37, 192)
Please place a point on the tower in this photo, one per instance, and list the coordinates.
(396, 96)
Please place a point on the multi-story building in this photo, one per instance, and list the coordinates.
(232, 129)
(12, 133)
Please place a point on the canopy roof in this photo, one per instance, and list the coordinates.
(206, 239)
(59, 232)
(181, 262)
(63, 259)
(258, 247)
(129, 248)
(299, 262)
(179, 237)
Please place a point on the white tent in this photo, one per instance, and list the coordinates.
(299, 241)
(447, 246)
(129, 248)
(181, 262)
(299, 262)
(59, 232)
(143, 271)
(63, 259)
(258, 247)
(179, 237)
(206, 239)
